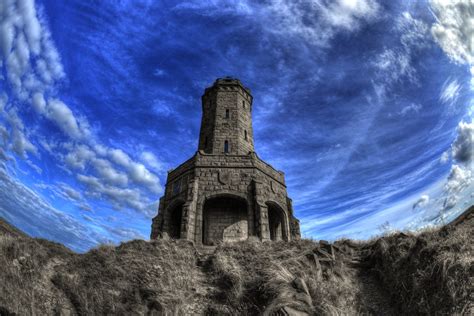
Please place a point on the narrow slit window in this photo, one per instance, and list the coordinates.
(226, 146)
(227, 113)
(245, 134)
(205, 142)
(243, 104)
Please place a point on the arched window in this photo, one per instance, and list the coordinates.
(245, 133)
(226, 146)
(227, 114)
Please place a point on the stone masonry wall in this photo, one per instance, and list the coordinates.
(225, 219)
(227, 116)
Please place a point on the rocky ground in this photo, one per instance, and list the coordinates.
(428, 273)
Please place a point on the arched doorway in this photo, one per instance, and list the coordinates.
(224, 219)
(175, 216)
(276, 222)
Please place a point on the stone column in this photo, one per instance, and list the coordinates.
(261, 212)
(157, 223)
(189, 211)
(294, 223)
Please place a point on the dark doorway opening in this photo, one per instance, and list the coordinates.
(174, 223)
(276, 222)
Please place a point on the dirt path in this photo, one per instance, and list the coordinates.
(205, 290)
(373, 298)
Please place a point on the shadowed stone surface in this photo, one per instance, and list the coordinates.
(225, 192)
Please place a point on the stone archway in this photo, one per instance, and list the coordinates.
(277, 222)
(174, 220)
(224, 219)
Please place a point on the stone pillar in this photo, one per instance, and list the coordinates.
(189, 211)
(251, 217)
(294, 223)
(157, 223)
(198, 237)
(261, 212)
(264, 227)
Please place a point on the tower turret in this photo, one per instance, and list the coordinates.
(226, 126)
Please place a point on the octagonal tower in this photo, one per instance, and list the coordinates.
(225, 192)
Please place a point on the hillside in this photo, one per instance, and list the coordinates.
(7, 229)
(428, 273)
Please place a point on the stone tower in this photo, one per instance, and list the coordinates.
(225, 192)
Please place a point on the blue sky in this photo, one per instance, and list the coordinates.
(365, 105)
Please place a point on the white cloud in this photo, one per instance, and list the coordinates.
(70, 193)
(108, 178)
(137, 172)
(33, 70)
(413, 31)
(4, 135)
(395, 64)
(159, 72)
(422, 202)
(62, 115)
(33, 166)
(151, 160)
(458, 179)
(32, 26)
(90, 181)
(444, 157)
(39, 104)
(120, 197)
(463, 146)
(162, 108)
(140, 174)
(454, 30)
(413, 107)
(63, 191)
(25, 41)
(20, 144)
(85, 207)
(3, 155)
(108, 173)
(454, 33)
(26, 44)
(120, 157)
(315, 21)
(3, 101)
(450, 92)
(79, 157)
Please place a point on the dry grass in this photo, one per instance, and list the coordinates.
(261, 278)
(25, 266)
(429, 273)
(137, 277)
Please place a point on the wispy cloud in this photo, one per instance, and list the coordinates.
(411, 108)
(316, 22)
(422, 202)
(450, 92)
(16, 201)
